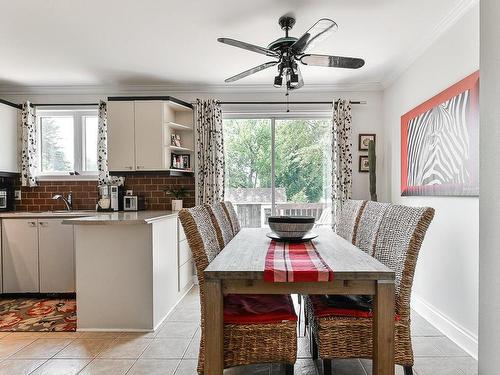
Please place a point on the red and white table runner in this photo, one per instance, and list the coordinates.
(295, 262)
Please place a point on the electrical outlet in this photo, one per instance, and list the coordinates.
(17, 195)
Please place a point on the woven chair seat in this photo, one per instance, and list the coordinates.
(352, 337)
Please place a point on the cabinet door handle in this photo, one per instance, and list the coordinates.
(43, 223)
(32, 223)
(129, 167)
(140, 166)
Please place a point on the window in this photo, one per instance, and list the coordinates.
(278, 166)
(68, 141)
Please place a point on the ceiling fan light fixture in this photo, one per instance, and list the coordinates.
(289, 51)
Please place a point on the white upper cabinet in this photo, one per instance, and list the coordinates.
(148, 135)
(121, 136)
(139, 134)
(9, 121)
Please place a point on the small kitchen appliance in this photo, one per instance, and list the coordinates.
(6, 197)
(133, 203)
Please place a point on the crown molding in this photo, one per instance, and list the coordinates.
(178, 89)
(427, 40)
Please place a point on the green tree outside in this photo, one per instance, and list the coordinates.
(302, 156)
(53, 156)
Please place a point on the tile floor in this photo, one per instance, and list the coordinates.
(173, 349)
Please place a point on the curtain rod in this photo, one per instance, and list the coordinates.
(63, 104)
(285, 103)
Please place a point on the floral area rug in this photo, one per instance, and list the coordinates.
(36, 314)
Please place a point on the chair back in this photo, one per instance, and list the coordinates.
(369, 224)
(233, 216)
(399, 239)
(201, 237)
(349, 219)
(221, 223)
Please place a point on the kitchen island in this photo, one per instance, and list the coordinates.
(127, 269)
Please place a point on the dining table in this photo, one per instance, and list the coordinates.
(239, 269)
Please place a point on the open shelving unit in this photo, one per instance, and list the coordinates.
(178, 120)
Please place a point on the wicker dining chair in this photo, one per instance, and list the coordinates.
(349, 219)
(233, 216)
(369, 224)
(399, 239)
(221, 223)
(244, 344)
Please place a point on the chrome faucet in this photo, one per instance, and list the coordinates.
(68, 201)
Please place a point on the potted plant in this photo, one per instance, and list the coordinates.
(177, 195)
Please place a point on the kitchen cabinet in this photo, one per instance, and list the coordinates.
(148, 135)
(185, 262)
(56, 256)
(37, 256)
(20, 255)
(121, 136)
(140, 131)
(9, 120)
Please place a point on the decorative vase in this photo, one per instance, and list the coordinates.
(176, 204)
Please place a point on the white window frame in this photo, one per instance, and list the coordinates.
(273, 117)
(78, 115)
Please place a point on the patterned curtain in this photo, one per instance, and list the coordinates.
(29, 143)
(210, 151)
(102, 145)
(341, 156)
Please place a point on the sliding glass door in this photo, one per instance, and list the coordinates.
(278, 166)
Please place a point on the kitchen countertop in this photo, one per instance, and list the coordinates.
(127, 217)
(45, 214)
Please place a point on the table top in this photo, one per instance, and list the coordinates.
(244, 257)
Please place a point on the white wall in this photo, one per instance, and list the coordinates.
(446, 281)
(367, 118)
(489, 206)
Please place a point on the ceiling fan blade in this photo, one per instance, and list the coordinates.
(300, 83)
(248, 46)
(251, 71)
(320, 30)
(332, 61)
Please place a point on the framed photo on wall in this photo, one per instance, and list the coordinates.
(440, 143)
(363, 141)
(364, 165)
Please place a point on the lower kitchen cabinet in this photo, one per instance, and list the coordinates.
(20, 255)
(37, 256)
(56, 256)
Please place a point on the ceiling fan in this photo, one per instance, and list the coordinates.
(289, 51)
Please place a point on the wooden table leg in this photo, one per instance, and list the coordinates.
(383, 329)
(214, 328)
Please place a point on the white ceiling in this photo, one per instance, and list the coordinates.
(166, 42)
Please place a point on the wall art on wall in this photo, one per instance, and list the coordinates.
(364, 164)
(364, 140)
(440, 143)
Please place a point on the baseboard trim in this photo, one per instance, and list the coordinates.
(454, 331)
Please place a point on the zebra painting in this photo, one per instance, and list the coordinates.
(439, 143)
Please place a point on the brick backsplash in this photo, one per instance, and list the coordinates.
(85, 193)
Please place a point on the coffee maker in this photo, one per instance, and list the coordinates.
(111, 198)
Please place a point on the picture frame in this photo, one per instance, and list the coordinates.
(446, 125)
(175, 140)
(364, 139)
(364, 166)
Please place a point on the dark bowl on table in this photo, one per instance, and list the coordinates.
(291, 226)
